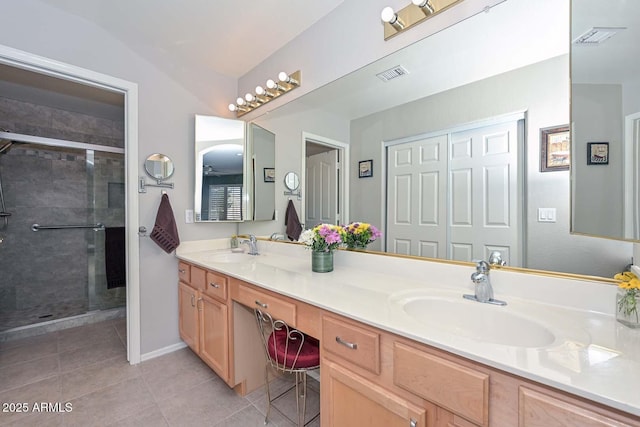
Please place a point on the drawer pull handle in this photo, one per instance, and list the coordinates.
(413, 423)
(261, 304)
(351, 345)
(215, 285)
(193, 300)
(182, 271)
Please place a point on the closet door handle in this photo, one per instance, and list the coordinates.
(351, 345)
(261, 304)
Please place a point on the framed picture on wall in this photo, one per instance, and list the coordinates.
(555, 150)
(269, 175)
(365, 169)
(597, 153)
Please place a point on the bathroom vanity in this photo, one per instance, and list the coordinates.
(401, 347)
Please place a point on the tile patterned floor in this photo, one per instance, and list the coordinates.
(85, 368)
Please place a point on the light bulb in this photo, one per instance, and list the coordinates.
(240, 101)
(260, 91)
(249, 97)
(284, 77)
(273, 85)
(388, 14)
(232, 107)
(426, 7)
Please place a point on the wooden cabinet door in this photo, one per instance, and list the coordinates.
(349, 400)
(214, 335)
(188, 316)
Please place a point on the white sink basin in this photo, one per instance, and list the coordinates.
(478, 321)
(231, 257)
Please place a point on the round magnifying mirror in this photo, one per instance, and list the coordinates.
(291, 181)
(159, 166)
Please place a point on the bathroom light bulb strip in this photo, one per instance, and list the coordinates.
(413, 14)
(263, 95)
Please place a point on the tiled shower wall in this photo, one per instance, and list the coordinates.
(46, 272)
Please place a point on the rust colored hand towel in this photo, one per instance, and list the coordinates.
(165, 232)
(294, 228)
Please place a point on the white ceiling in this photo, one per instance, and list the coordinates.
(229, 37)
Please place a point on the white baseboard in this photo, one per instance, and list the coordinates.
(162, 351)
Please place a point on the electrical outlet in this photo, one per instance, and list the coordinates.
(188, 216)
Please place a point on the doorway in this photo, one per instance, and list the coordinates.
(69, 73)
(324, 180)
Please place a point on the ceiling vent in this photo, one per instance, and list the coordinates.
(597, 35)
(392, 73)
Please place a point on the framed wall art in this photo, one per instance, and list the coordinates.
(269, 175)
(555, 150)
(365, 169)
(597, 153)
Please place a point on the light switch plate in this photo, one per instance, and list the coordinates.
(188, 216)
(546, 214)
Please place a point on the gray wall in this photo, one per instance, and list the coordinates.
(597, 117)
(166, 124)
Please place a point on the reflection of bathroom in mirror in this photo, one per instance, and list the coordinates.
(465, 78)
(159, 167)
(219, 178)
(261, 146)
(605, 86)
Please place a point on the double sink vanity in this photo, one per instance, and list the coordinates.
(401, 346)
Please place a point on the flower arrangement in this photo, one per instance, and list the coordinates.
(629, 295)
(323, 237)
(360, 234)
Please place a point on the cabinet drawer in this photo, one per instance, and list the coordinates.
(457, 388)
(198, 278)
(217, 285)
(277, 308)
(184, 272)
(353, 343)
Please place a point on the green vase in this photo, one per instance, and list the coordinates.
(357, 246)
(322, 262)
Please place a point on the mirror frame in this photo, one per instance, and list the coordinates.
(161, 158)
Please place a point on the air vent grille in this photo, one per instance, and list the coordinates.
(392, 73)
(597, 35)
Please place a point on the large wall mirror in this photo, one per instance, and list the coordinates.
(494, 68)
(605, 115)
(234, 172)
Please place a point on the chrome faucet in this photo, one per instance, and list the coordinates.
(253, 245)
(276, 236)
(484, 290)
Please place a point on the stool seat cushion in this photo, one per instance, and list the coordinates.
(309, 356)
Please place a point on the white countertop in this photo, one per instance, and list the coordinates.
(588, 353)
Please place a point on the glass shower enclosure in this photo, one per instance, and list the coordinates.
(62, 247)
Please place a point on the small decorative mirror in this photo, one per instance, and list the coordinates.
(159, 166)
(291, 181)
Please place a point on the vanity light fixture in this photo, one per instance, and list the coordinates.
(415, 13)
(286, 83)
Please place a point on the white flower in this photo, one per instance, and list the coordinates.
(307, 237)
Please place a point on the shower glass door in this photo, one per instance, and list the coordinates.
(59, 270)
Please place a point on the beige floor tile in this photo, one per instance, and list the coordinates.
(174, 373)
(287, 406)
(149, 417)
(110, 404)
(38, 420)
(20, 374)
(203, 405)
(94, 377)
(50, 337)
(34, 349)
(47, 390)
(84, 336)
(87, 355)
(248, 417)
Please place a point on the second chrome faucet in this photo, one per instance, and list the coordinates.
(483, 288)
